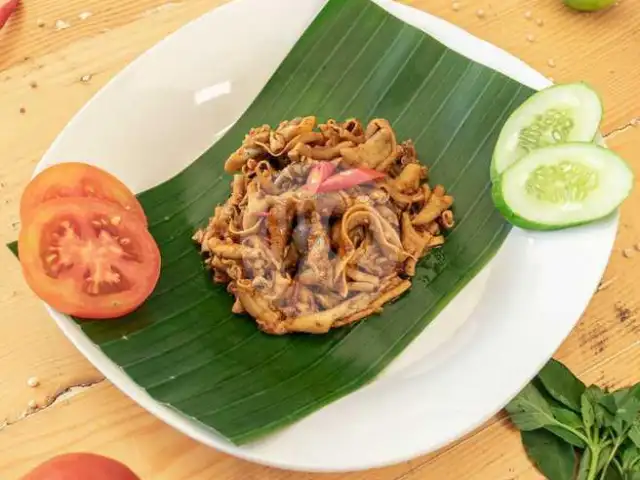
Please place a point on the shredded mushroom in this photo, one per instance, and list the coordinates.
(324, 223)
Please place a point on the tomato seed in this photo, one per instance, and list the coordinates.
(115, 220)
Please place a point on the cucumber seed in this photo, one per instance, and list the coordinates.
(566, 182)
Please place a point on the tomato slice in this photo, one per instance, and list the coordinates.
(88, 258)
(77, 179)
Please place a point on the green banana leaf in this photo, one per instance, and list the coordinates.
(186, 348)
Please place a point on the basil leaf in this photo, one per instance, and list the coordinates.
(552, 457)
(634, 390)
(628, 409)
(603, 416)
(625, 406)
(613, 474)
(595, 394)
(619, 394)
(570, 419)
(630, 454)
(562, 385)
(566, 435)
(634, 435)
(618, 426)
(611, 401)
(567, 417)
(585, 462)
(632, 475)
(529, 410)
(588, 413)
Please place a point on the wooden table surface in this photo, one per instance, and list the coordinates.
(54, 55)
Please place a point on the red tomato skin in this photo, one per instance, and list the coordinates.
(71, 179)
(81, 466)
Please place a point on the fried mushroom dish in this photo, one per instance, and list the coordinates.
(324, 225)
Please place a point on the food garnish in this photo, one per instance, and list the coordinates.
(319, 173)
(547, 171)
(88, 258)
(571, 431)
(555, 115)
(562, 186)
(349, 178)
(75, 179)
(324, 225)
(84, 246)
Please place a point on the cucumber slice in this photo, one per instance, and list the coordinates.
(559, 114)
(562, 186)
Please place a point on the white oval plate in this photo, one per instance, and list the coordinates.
(172, 103)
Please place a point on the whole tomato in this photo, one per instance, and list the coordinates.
(81, 466)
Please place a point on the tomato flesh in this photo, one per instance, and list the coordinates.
(77, 179)
(88, 258)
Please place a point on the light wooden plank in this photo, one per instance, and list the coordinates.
(592, 47)
(602, 348)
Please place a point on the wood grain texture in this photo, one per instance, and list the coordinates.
(51, 73)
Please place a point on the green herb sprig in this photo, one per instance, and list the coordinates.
(574, 432)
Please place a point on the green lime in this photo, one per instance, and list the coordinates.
(589, 5)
